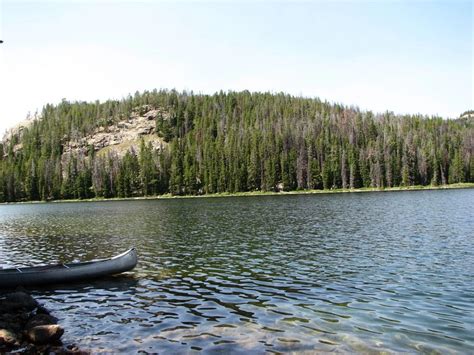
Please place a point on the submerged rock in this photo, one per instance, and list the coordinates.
(27, 327)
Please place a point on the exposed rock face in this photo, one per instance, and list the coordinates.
(18, 129)
(116, 138)
(126, 131)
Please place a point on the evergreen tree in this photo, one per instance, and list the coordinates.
(230, 141)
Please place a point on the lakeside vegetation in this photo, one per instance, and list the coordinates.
(230, 143)
(256, 194)
(261, 193)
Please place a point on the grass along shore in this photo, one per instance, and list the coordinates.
(466, 185)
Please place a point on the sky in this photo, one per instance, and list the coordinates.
(401, 56)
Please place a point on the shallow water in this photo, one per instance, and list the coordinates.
(368, 272)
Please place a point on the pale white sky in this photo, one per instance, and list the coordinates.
(402, 56)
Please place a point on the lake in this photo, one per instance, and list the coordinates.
(353, 272)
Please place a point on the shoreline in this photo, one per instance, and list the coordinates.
(27, 327)
(466, 185)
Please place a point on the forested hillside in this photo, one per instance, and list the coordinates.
(235, 141)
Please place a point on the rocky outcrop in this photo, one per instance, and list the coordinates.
(122, 135)
(27, 327)
(17, 132)
(19, 128)
(117, 138)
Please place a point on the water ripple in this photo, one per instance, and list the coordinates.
(364, 273)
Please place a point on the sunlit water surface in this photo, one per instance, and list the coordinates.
(363, 273)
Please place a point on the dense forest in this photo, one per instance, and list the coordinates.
(229, 142)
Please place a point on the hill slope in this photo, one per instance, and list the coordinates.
(164, 141)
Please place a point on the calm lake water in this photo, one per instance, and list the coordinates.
(366, 272)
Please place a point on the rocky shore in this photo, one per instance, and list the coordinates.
(26, 327)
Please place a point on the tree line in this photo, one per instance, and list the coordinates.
(230, 142)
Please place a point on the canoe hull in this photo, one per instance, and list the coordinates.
(65, 273)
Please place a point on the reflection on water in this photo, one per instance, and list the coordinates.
(351, 272)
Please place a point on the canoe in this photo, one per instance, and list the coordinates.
(62, 273)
